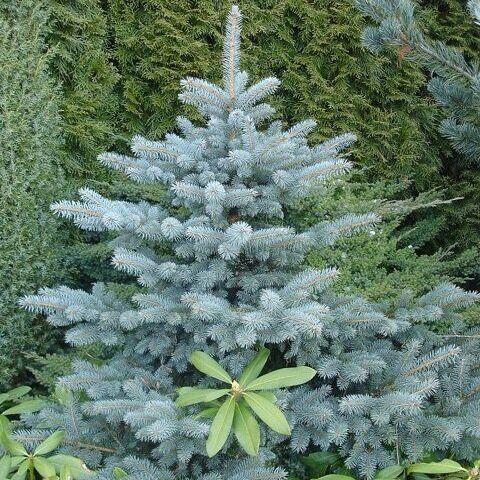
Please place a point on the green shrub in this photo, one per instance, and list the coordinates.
(31, 176)
(381, 263)
(313, 47)
(329, 466)
(82, 62)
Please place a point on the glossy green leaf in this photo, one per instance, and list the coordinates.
(50, 443)
(447, 461)
(270, 396)
(22, 470)
(5, 466)
(419, 476)
(221, 426)
(25, 407)
(62, 395)
(253, 369)
(119, 473)
(246, 429)
(207, 365)
(334, 476)
(14, 394)
(44, 467)
(183, 390)
(199, 395)
(445, 466)
(268, 412)
(76, 466)
(285, 377)
(4, 424)
(208, 412)
(18, 392)
(16, 461)
(11, 446)
(389, 473)
(65, 473)
(318, 463)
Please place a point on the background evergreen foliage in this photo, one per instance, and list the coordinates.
(81, 61)
(381, 262)
(453, 77)
(31, 153)
(314, 47)
(130, 56)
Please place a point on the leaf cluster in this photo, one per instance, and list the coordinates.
(250, 393)
(18, 462)
(320, 464)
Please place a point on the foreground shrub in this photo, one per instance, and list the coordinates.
(249, 393)
(321, 462)
(221, 273)
(22, 462)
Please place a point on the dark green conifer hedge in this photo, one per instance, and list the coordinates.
(31, 176)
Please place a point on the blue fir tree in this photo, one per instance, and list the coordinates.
(220, 272)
